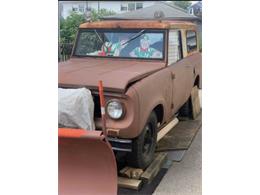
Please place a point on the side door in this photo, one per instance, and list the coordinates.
(189, 38)
(177, 68)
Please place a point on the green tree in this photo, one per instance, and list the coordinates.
(69, 26)
(182, 4)
(98, 15)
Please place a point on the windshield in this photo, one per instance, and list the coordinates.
(138, 43)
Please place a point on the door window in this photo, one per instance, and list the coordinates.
(191, 40)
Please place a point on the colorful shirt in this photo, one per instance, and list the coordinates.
(141, 53)
(111, 49)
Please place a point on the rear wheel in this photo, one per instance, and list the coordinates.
(144, 145)
(186, 110)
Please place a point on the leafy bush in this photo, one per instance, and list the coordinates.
(97, 15)
(69, 26)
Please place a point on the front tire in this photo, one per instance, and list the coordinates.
(144, 145)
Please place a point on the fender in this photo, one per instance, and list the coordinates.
(160, 93)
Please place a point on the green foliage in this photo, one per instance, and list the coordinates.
(88, 43)
(97, 15)
(182, 4)
(69, 26)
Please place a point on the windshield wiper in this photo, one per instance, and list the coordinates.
(99, 36)
(134, 37)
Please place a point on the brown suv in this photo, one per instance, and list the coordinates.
(148, 69)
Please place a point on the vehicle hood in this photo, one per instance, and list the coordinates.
(116, 74)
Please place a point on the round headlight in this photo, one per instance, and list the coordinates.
(115, 109)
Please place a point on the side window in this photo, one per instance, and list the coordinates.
(139, 5)
(131, 6)
(174, 46)
(191, 39)
(123, 6)
(81, 8)
(75, 8)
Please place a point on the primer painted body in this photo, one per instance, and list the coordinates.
(141, 85)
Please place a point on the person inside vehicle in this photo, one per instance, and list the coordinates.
(145, 51)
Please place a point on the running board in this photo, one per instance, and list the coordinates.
(166, 129)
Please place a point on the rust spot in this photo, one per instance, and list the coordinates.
(152, 24)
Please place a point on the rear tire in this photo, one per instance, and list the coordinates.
(186, 110)
(144, 145)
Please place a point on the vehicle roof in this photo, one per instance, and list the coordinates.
(133, 24)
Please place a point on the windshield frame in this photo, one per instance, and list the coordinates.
(163, 31)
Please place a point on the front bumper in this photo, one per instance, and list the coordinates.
(117, 144)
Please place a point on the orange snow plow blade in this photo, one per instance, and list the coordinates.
(87, 163)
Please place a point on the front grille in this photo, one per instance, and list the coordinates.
(97, 111)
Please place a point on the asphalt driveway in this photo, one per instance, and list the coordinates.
(184, 178)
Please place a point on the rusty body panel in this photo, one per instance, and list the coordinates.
(128, 127)
(135, 24)
(88, 71)
(141, 85)
(171, 89)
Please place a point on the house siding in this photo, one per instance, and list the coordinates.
(66, 6)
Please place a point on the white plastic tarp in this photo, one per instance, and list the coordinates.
(76, 108)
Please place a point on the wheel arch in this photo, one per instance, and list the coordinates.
(159, 111)
(197, 82)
